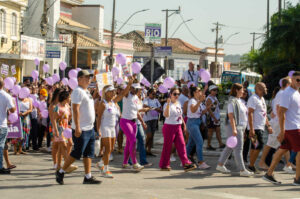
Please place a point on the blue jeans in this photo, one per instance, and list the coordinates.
(83, 145)
(293, 157)
(195, 137)
(3, 135)
(140, 136)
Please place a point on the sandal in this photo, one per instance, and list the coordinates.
(12, 166)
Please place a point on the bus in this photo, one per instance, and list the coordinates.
(240, 77)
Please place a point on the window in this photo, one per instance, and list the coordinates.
(14, 24)
(2, 21)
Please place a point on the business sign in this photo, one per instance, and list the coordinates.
(53, 49)
(66, 38)
(13, 70)
(152, 33)
(32, 48)
(104, 79)
(163, 51)
(4, 69)
(15, 129)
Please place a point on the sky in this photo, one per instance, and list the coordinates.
(237, 16)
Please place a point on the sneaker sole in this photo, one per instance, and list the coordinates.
(190, 169)
(224, 172)
(296, 184)
(266, 179)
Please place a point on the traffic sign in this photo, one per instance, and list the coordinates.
(152, 33)
(163, 51)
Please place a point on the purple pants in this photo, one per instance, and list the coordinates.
(173, 134)
(130, 129)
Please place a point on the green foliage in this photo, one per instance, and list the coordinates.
(279, 53)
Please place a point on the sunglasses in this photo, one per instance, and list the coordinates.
(176, 94)
(298, 80)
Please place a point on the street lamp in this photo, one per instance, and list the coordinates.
(110, 60)
(180, 26)
(230, 37)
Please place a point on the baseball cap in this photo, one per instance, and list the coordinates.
(212, 87)
(136, 86)
(84, 73)
(110, 88)
(44, 92)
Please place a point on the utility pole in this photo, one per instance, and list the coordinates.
(254, 38)
(268, 19)
(217, 29)
(166, 39)
(279, 9)
(111, 55)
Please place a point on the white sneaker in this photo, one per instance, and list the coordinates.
(288, 169)
(108, 174)
(246, 173)
(222, 169)
(100, 167)
(203, 166)
(111, 157)
(173, 159)
(138, 167)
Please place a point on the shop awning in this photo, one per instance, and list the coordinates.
(65, 23)
(85, 42)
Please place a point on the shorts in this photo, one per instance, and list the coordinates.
(108, 132)
(272, 138)
(211, 124)
(257, 143)
(291, 140)
(83, 145)
(151, 126)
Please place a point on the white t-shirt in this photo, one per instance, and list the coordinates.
(151, 115)
(175, 116)
(190, 76)
(290, 99)
(182, 99)
(130, 107)
(86, 108)
(190, 114)
(243, 114)
(6, 103)
(276, 102)
(260, 111)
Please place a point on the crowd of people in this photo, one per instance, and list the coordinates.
(189, 114)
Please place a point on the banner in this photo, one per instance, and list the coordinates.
(4, 69)
(15, 129)
(32, 48)
(13, 70)
(104, 79)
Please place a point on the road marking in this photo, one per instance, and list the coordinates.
(227, 195)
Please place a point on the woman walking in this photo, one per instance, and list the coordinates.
(194, 114)
(173, 134)
(236, 124)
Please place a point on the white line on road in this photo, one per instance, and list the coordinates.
(227, 195)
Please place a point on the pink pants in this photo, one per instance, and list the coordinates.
(130, 129)
(173, 134)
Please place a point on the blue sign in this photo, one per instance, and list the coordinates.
(153, 33)
(163, 51)
(52, 54)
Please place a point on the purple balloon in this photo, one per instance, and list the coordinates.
(44, 113)
(8, 83)
(169, 82)
(121, 59)
(291, 73)
(33, 97)
(136, 68)
(190, 84)
(73, 83)
(14, 79)
(73, 73)
(55, 78)
(145, 82)
(35, 74)
(13, 117)
(100, 93)
(205, 76)
(65, 81)
(280, 82)
(24, 93)
(62, 66)
(42, 106)
(231, 142)
(200, 71)
(78, 69)
(119, 80)
(115, 71)
(36, 103)
(162, 89)
(16, 89)
(46, 68)
(36, 61)
(67, 133)
(49, 81)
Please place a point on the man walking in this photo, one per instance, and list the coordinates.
(83, 113)
(190, 75)
(257, 115)
(289, 122)
(6, 104)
